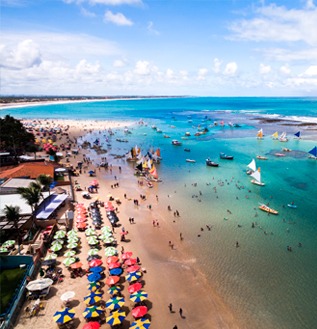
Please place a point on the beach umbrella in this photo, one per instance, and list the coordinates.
(73, 239)
(93, 252)
(134, 287)
(39, 284)
(133, 276)
(92, 312)
(56, 247)
(66, 296)
(97, 269)
(91, 172)
(72, 233)
(111, 251)
(139, 311)
(90, 231)
(93, 298)
(126, 255)
(76, 265)
(112, 280)
(94, 277)
(116, 318)
(69, 253)
(69, 261)
(114, 265)
(133, 268)
(105, 235)
(94, 182)
(3, 249)
(60, 234)
(81, 225)
(112, 259)
(130, 261)
(139, 296)
(92, 241)
(93, 286)
(50, 256)
(116, 271)
(106, 229)
(58, 241)
(64, 315)
(91, 325)
(95, 262)
(113, 290)
(81, 219)
(108, 239)
(114, 303)
(72, 245)
(8, 243)
(142, 323)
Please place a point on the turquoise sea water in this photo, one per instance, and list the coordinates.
(263, 283)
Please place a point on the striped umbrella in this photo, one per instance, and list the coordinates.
(51, 255)
(113, 290)
(93, 252)
(8, 243)
(72, 233)
(108, 240)
(142, 323)
(56, 247)
(126, 255)
(72, 239)
(93, 298)
(139, 296)
(106, 229)
(60, 234)
(69, 261)
(58, 241)
(115, 303)
(116, 318)
(70, 253)
(64, 315)
(133, 276)
(72, 245)
(3, 249)
(111, 251)
(106, 234)
(112, 259)
(112, 280)
(93, 286)
(92, 241)
(92, 312)
(90, 231)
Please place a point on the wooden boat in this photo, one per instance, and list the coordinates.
(176, 142)
(190, 160)
(261, 157)
(225, 156)
(211, 163)
(266, 208)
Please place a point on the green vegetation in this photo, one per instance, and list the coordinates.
(10, 280)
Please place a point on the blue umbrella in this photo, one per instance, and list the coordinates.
(96, 269)
(94, 277)
(116, 271)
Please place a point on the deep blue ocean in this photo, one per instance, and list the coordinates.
(263, 283)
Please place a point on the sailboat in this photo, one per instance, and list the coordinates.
(275, 135)
(313, 153)
(283, 137)
(259, 135)
(257, 177)
(298, 135)
(252, 167)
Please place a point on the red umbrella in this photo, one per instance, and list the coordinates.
(112, 280)
(130, 261)
(133, 268)
(134, 287)
(139, 311)
(126, 255)
(95, 263)
(76, 265)
(81, 219)
(91, 325)
(81, 225)
(112, 259)
(114, 265)
(94, 182)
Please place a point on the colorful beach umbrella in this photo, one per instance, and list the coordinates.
(108, 239)
(91, 325)
(3, 249)
(81, 225)
(139, 311)
(105, 229)
(95, 262)
(93, 286)
(94, 277)
(133, 268)
(72, 245)
(69, 261)
(56, 247)
(96, 269)
(50, 256)
(116, 318)
(77, 265)
(112, 280)
(116, 271)
(90, 231)
(92, 241)
(113, 290)
(60, 234)
(126, 255)
(112, 259)
(72, 233)
(139, 296)
(69, 253)
(72, 239)
(58, 241)
(93, 252)
(114, 265)
(142, 323)
(134, 287)
(130, 261)
(81, 219)
(133, 276)
(93, 298)
(64, 315)
(111, 251)
(92, 312)
(115, 303)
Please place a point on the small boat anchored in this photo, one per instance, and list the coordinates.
(210, 163)
(176, 142)
(267, 209)
(225, 156)
(261, 157)
(190, 160)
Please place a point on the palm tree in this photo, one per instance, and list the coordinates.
(12, 213)
(45, 180)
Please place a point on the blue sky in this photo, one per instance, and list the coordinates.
(155, 47)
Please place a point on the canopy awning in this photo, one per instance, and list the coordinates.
(49, 205)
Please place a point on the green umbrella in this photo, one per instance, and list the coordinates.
(72, 233)
(106, 229)
(72, 245)
(51, 255)
(3, 250)
(111, 251)
(90, 231)
(92, 240)
(72, 239)
(69, 261)
(106, 233)
(70, 253)
(60, 235)
(109, 239)
(58, 241)
(9, 243)
(56, 247)
(93, 252)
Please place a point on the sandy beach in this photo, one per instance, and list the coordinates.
(171, 275)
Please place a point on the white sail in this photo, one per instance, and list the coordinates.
(252, 165)
(257, 176)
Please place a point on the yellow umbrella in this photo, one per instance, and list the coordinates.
(64, 315)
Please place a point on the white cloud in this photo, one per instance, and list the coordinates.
(289, 55)
(118, 63)
(217, 65)
(118, 19)
(277, 24)
(310, 4)
(83, 67)
(230, 69)
(264, 69)
(311, 71)
(142, 68)
(284, 69)
(116, 2)
(202, 73)
(86, 12)
(151, 29)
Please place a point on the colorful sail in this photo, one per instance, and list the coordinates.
(297, 134)
(313, 152)
(275, 135)
(260, 134)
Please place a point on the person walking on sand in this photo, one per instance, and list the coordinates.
(170, 306)
(181, 312)
(175, 327)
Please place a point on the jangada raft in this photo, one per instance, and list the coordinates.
(268, 209)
